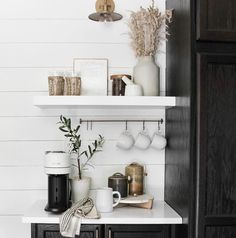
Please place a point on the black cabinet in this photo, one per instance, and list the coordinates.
(216, 80)
(200, 177)
(104, 231)
(216, 20)
(219, 232)
(137, 231)
(52, 231)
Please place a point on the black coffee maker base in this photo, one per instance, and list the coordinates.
(56, 209)
(58, 193)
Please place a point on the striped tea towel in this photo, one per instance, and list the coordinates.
(70, 221)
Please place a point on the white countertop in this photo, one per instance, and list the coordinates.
(161, 213)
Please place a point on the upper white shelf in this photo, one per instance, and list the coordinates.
(48, 102)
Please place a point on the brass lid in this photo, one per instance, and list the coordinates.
(135, 165)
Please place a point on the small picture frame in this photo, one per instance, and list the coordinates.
(94, 76)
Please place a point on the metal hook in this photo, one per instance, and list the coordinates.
(143, 125)
(91, 125)
(87, 125)
(159, 126)
(126, 125)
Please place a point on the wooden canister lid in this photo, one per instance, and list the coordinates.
(119, 76)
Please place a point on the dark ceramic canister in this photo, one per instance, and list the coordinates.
(119, 182)
(118, 86)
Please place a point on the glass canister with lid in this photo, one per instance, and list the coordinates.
(118, 86)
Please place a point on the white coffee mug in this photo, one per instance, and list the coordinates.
(158, 142)
(143, 140)
(104, 199)
(125, 140)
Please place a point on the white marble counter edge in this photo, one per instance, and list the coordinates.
(127, 221)
(161, 213)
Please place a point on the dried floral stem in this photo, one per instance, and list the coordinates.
(148, 29)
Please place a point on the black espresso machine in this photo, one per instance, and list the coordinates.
(57, 167)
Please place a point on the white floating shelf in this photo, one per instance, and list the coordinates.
(51, 102)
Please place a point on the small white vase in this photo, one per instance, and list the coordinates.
(147, 74)
(80, 188)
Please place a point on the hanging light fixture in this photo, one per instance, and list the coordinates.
(105, 12)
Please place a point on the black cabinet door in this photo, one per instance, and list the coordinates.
(52, 231)
(111, 231)
(137, 231)
(216, 20)
(216, 150)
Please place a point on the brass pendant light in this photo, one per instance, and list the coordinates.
(105, 12)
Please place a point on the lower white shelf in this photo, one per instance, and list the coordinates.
(161, 213)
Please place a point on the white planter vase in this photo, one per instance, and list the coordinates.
(147, 74)
(80, 188)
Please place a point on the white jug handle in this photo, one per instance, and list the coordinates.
(119, 198)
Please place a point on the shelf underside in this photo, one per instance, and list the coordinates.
(51, 102)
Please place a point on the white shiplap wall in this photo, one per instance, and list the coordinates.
(38, 36)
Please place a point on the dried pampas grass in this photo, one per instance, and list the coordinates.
(148, 29)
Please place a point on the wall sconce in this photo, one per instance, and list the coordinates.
(105, 12)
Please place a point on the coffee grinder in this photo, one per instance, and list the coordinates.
(57, 167)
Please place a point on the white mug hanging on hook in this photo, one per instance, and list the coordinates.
(125, 140)
(158, 141)
(143, 140)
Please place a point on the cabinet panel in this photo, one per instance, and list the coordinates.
(51, 234)
(216, 20)
(137, 231)
(56, 234)
(221, 140)
(216, 140)
(219, 232)
(218, 130)
(111, 231)
(52, 231)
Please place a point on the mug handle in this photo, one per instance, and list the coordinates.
(119, 198)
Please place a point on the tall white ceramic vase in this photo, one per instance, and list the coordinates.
(80, 188)
(147, 74)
